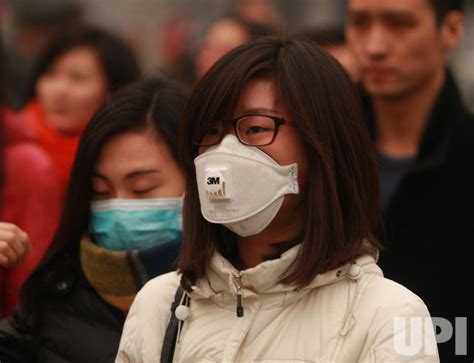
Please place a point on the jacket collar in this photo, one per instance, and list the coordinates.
(264, 278)
(435, 142)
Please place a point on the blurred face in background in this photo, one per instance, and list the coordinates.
(344, 55)
(399, 43)
(258, 11)
(72, 89)
(222, 37)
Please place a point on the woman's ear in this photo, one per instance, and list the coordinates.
(452, 29)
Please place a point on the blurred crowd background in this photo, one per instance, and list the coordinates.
(167, 34)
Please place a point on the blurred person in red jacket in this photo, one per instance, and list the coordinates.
(73, 78)
(23, 213)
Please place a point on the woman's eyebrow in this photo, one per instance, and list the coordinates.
(141, 173)
(98, 175)
(259, 110)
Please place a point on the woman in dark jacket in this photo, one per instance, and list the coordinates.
(121, 226)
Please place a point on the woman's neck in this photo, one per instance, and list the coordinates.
(269, 244)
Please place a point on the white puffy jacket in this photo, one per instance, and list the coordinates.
(350, 314)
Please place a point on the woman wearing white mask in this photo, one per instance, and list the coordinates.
(278, 262)
(122, 225)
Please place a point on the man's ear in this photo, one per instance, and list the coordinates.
(452, 29)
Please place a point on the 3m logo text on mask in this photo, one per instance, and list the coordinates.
(216, 185)
(213, 180)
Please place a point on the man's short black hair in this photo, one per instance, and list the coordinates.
(442, 7)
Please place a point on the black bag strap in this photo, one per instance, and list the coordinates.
(169, 342)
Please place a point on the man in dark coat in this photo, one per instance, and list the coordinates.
(425, 142)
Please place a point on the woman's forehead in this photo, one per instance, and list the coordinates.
(259, 95)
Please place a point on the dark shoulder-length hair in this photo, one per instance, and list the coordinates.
(342, 196)
(152, 104)
(118, 62)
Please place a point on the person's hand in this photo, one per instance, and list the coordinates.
(14, 243)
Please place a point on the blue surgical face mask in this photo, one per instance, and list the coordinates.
(136, 224)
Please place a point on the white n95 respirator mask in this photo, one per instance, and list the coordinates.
(241, 187)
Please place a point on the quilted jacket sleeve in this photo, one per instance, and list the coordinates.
(404, 335)
(147, 320)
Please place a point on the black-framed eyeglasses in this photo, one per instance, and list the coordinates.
(252, 130)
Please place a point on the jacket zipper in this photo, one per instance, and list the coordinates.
(240, 295)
